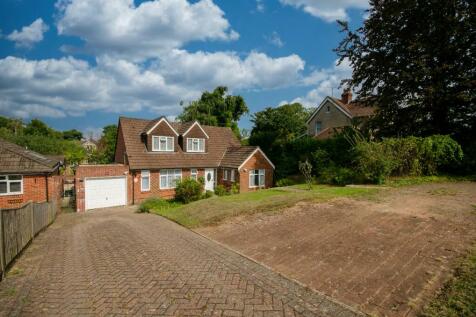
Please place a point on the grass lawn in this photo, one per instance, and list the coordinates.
(458, 297)
(214, 210)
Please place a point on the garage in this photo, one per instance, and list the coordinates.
(101, 192)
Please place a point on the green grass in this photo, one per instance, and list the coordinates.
(417, 180)
(458, 296)
(214, 210)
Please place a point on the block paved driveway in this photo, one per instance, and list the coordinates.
(116, 262)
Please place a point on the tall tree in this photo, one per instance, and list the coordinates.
(417, 61)
(217, 109)
(274, 128)
(106, 145)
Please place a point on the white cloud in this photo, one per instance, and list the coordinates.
(275, 39)
(71, 87)
(257, 70)
(120, 28)
(326, 82)
(29, 35)
(260, 6)
(328, 10)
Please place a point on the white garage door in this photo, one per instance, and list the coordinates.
(105, 192)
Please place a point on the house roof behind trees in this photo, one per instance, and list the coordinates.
(17, 159)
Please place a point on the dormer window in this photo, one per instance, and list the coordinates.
(195, 145)
(162, 143)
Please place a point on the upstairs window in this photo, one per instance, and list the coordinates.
(195, 145)
(11, 184)
(162, 143)
(318, 127)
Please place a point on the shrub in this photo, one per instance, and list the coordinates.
(147, 205)
(285, 182)
(337, 176)
(221, 190)
(188, 190)
(306, 171)
(409, 156)
(207, 194)
(374, 164)
(235, 188)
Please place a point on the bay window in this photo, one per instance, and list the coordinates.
(169, 177)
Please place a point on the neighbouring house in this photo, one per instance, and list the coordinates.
(334, 114)
(89, 145)
(27, 176)
(151, 155)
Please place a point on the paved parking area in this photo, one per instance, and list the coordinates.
(117, 262)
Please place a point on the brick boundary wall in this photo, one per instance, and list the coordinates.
(85, 171)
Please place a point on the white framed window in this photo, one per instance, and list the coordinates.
(144, 181)
(11, 184)
(232, 175)
(225, 174)
(169, 177)
(256, 178)
(194, 173)
(195, 145)
(318, 127)
(162, 143)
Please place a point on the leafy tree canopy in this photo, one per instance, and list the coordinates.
(217, 109)
(275, 127)
(72, 135)
(106, 145)
(417, 61)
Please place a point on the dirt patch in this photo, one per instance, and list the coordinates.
(385, 256)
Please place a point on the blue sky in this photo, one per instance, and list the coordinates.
(82, 63)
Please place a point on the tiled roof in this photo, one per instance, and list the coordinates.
(235, 156)
(16, 159)
(139, 158)
(356, 109)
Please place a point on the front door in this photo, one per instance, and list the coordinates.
(209, 179)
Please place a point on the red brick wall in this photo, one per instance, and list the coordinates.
(84, 171)
(155, 190)
(34, 188)
(258, 161)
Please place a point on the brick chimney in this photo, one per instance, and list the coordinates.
(346, 96)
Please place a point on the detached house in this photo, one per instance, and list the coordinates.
(333, 114)
(151, 155)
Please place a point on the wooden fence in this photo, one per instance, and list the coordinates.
(18, 226)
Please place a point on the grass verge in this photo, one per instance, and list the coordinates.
(458, 296)
(215, 210)
(417, 180)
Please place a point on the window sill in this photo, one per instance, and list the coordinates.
(12, 194)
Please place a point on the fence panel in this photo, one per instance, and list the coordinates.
(19, 226)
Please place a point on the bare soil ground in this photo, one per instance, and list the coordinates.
(386, 256)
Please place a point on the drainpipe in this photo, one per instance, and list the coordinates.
(133, 188)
